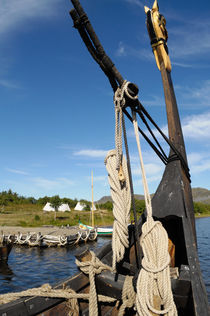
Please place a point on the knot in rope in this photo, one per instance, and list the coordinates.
(154, 277)
(119, 101)
(92, 267)
(128, 295)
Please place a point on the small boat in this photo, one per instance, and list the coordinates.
(101, 231)
(101, 290)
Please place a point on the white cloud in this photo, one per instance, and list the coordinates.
(183, 44)
(47, 184)
(14, 13)
(121, 50)
(8, 84)
(16, 171)
(150, 169)
(99, 178)
(93, 153)
(199, 162)
(197, 127)
(136, 2)
(199, 95)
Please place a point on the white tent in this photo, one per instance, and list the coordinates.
(93, 208)
(64, 208)
(79, 207)
(48, 208)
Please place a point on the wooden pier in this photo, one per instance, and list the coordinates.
(47, 236)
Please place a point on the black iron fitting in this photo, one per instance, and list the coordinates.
(79, 21)
(84, 19)
(75, 18)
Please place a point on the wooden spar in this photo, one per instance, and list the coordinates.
(158, 35)
(92, 211)
(176, 137)
(175, 179)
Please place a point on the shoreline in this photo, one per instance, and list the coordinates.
(52, 230)
(44, 230)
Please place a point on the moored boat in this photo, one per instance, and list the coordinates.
(101, 231)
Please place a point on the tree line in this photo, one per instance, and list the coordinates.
(10, 197)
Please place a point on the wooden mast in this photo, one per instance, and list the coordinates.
(92, 210)
(158, 34)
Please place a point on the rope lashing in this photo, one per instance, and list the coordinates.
(154, 277)
(119, 101)
(95, 266)
(46, 291)
(121, 206)
(91, 268)
(128, 295)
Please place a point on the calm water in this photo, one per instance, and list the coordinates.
(31, 267)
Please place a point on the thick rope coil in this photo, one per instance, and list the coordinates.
(128, 295)
(95, 266)
(154, 277)
(121, 197)
(119, 182)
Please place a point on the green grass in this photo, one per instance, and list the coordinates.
(29, 215)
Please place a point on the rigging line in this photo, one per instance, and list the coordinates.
(151, 132)
(164, 160)
(175, 150)
(136, 230)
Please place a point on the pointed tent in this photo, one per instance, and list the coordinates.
(64, 207)
(79, 207)
(48, 208)
(93, 208)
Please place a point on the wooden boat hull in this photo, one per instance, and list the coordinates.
(101, 231)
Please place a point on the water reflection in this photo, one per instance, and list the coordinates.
(6, 272)
(31, 267)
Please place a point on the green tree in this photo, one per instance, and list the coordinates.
(55, 202)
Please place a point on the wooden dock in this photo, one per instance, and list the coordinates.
(46, 236)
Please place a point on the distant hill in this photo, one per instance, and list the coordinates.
(107, 198)
(199, 195)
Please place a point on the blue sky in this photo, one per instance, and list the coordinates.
(57, 114)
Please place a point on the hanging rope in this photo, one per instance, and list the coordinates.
(128, 295)
(119, 182)
(121, 206)
(154, 277)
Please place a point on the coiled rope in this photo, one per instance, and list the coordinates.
(121, 207)
(154, 277)
(118, 176)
